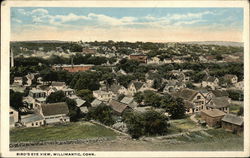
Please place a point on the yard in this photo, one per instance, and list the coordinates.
(69, 131)
(181, 125)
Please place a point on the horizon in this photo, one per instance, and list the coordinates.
(127, 24)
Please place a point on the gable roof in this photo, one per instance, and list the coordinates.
(96, 103)
(55, 109)
(209, 78)
(213, 113)
(117, 106)
(218, 102)
(18, 78)
(31, 118)
(220, 93)
(129, 101)
(138, 85)
(58, 84)
(187, 94)
(115, 88)
(233, 119)
(229, 76)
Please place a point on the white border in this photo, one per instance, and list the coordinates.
(5, 38)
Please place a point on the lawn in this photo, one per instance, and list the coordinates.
(211, 140)
(69, 131)
(181, 125)
(234, 108)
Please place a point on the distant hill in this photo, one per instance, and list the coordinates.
(221, 43)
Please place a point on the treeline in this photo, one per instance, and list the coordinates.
(50, 46)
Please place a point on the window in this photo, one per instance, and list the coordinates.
(198, 97)
(32, 124)
(36, 123)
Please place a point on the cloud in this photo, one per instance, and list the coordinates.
(16, 20)
(188, 15)
(190, 22)
(39, 11)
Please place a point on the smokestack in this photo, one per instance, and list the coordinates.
(11, 58)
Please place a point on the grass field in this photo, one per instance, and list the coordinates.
(69, 131)
(212, 140)
(181, 125)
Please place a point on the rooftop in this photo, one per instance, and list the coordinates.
(117, 106)
(55, 109)
(233, 119)
(31, 118)
(213, 113)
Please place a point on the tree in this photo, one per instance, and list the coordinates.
(177, 109)
(103, 114)
(148, 123)
(16, 99)
(154, 123)
(138, 97)
(151, 98)
(55, 97)
(135, 125)
(74, 111)
(241, 111)
(85, 94)
(48, 75)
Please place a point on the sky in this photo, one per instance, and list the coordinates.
(126, 24)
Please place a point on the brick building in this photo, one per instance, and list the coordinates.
(73, 68)
(212, 117)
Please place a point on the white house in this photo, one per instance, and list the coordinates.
(103, 95)
(118, 89)
(55, 112)
(32, 120)
(209, 81)
(18, 81)
(193, 97)
(58, 85)
(231, 78)
(136, 86)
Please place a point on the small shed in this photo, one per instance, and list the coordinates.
(232, 123)
(212, 117)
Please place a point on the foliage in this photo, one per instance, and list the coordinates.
(177, 109)
(74, 111)
(236, 95)
(128, 65)
(16, 99)
(55, 97)
(103, 114)
(85, 94)
(241, 111)
(138, 97)
(148, 123)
